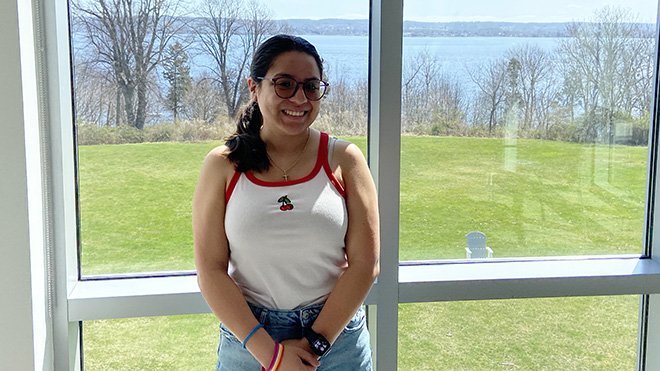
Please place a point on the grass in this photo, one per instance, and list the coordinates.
(531, 198)
(135, 203)
(583, 333)
(151, 343)
(551, 198)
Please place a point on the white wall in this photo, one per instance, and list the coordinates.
(23, 316)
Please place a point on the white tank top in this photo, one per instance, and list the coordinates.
(286, 239)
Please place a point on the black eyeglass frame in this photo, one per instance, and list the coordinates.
(323, 84)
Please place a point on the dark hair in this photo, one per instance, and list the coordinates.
(246, 149)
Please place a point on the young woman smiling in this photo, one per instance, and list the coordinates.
(285, 223)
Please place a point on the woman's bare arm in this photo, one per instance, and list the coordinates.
(212, 259)
(362, 243)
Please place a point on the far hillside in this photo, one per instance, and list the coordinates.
(360, 27)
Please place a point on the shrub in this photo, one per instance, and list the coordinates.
(640, 131)
(192, 131)
(127, 134)
(87, 134)
(445, 127)
(198, 131)
(159, 133)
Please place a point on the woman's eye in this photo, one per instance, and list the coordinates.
(285, 84)
(311, 86)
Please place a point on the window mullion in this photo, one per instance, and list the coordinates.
(384, 159)
(62, 179)
(649, 313)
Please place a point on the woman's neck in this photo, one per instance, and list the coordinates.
(285, 145)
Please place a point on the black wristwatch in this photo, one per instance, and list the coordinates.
(319, 344)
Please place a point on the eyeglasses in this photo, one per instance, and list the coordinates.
(286, 87)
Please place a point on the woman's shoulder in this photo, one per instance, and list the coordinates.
(347, 154)
(219, 152)
(217, 163)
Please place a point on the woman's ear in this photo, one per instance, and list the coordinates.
(252, 87)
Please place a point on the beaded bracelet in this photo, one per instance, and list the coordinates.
(252, 332)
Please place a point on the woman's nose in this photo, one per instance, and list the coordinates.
(299, 96)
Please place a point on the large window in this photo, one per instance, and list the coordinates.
(146, 118)
(526, 123)
(573, 174)
(139, 155)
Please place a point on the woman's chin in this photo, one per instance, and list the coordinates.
(295, 124)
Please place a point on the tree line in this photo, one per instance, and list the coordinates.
(134, 63)
(596, 86)
(130, 49)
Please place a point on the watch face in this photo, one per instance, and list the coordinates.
(317, 342)
(320, 345)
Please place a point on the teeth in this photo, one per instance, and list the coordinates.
(294, 113)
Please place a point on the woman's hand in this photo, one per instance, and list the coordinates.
(296, 357)
(301, 343)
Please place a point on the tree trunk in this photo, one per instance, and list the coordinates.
(117, 107)
(141, 113)
(128, 92)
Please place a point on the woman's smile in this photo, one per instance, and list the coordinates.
(294, 113)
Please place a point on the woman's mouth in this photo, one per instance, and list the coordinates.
(293, 113)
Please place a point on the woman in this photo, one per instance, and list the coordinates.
(285, 223)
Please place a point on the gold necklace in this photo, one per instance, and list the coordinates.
(284, 171)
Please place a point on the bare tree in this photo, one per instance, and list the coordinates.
(229, 33)
(94, 95)
(258, 25)
(603, 63)
(448, 107)
(345, 107)
(432, 102)
(204, 100)
(490, 79)
(419, 77)
(129, 37)
(534, 81)
(218, 33)
(639, 75)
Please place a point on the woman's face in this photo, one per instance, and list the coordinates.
(294, 115)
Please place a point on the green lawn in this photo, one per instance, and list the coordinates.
(531, 198)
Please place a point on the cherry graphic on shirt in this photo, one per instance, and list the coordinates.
(286, 203)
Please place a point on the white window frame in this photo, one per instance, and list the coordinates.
(75, 300)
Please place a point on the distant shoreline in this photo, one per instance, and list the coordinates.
(360, 27)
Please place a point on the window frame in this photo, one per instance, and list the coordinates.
(77, 300)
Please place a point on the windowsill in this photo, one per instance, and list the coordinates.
(418, 282)
(528, 278)
(135, 297)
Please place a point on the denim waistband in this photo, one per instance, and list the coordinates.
(303, 317)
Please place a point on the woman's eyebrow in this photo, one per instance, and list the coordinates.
(282, 75)
(293, 77)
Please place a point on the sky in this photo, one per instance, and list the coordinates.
(467, 10)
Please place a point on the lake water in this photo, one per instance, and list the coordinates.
(348, 55)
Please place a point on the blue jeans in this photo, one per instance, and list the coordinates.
(351, 350)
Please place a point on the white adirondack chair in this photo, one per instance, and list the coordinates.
(476, 246)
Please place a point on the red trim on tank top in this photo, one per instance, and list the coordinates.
(326, 166)
(231, 186)
(321, 162)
